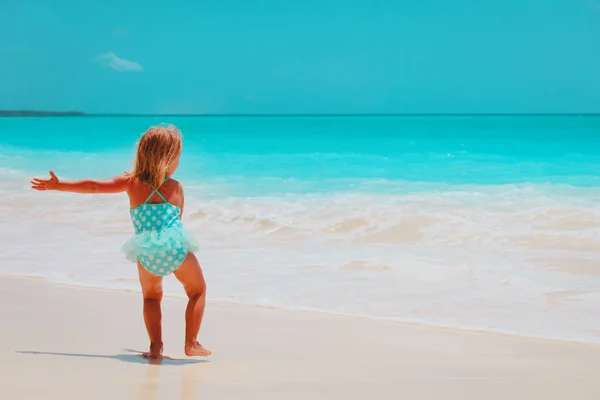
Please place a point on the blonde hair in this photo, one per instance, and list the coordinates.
(158, 147)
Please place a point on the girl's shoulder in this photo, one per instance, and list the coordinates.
(172, 180)
(172, 184)
(134, 182)
(139, 191)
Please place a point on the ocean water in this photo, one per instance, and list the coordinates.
(487, 223)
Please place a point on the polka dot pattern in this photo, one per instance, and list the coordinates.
(163, 266)
(156, 217)
(152, 217)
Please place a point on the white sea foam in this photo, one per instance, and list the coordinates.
(516, 258)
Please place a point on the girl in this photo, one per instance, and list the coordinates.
(160, 244)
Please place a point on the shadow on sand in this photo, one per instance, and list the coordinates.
(131, 356)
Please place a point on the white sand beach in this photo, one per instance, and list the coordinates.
(64, 342)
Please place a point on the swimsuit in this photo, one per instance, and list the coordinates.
(160, 243)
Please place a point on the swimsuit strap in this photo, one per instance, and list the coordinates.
(155, 191)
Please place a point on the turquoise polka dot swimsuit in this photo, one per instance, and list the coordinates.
(160, 243)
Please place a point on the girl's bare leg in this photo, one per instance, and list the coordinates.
(152, 292)
(190, 275)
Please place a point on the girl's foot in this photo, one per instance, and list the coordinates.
(197, 350)
(155, 351)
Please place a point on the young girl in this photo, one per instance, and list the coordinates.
(160, 244)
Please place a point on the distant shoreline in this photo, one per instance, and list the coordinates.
(34, 113)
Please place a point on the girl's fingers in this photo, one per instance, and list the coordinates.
(37, 184)
(42, 184)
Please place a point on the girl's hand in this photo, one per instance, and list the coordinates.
(45, 184)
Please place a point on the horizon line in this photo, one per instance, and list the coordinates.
(340, 114)
(21, 113)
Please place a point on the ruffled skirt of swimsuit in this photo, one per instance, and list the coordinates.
(162, 251)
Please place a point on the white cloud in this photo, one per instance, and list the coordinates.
(111, 60)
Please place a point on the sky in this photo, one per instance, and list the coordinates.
(301, 57)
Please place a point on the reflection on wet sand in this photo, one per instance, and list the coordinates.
(150, 385)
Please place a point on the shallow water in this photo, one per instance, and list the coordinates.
(473, 222)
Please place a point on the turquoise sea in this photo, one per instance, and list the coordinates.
(476, 222)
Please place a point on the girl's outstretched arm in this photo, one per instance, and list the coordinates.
(115, 185)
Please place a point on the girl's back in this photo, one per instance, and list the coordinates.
(139, 191)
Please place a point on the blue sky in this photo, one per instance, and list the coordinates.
(310, 56)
